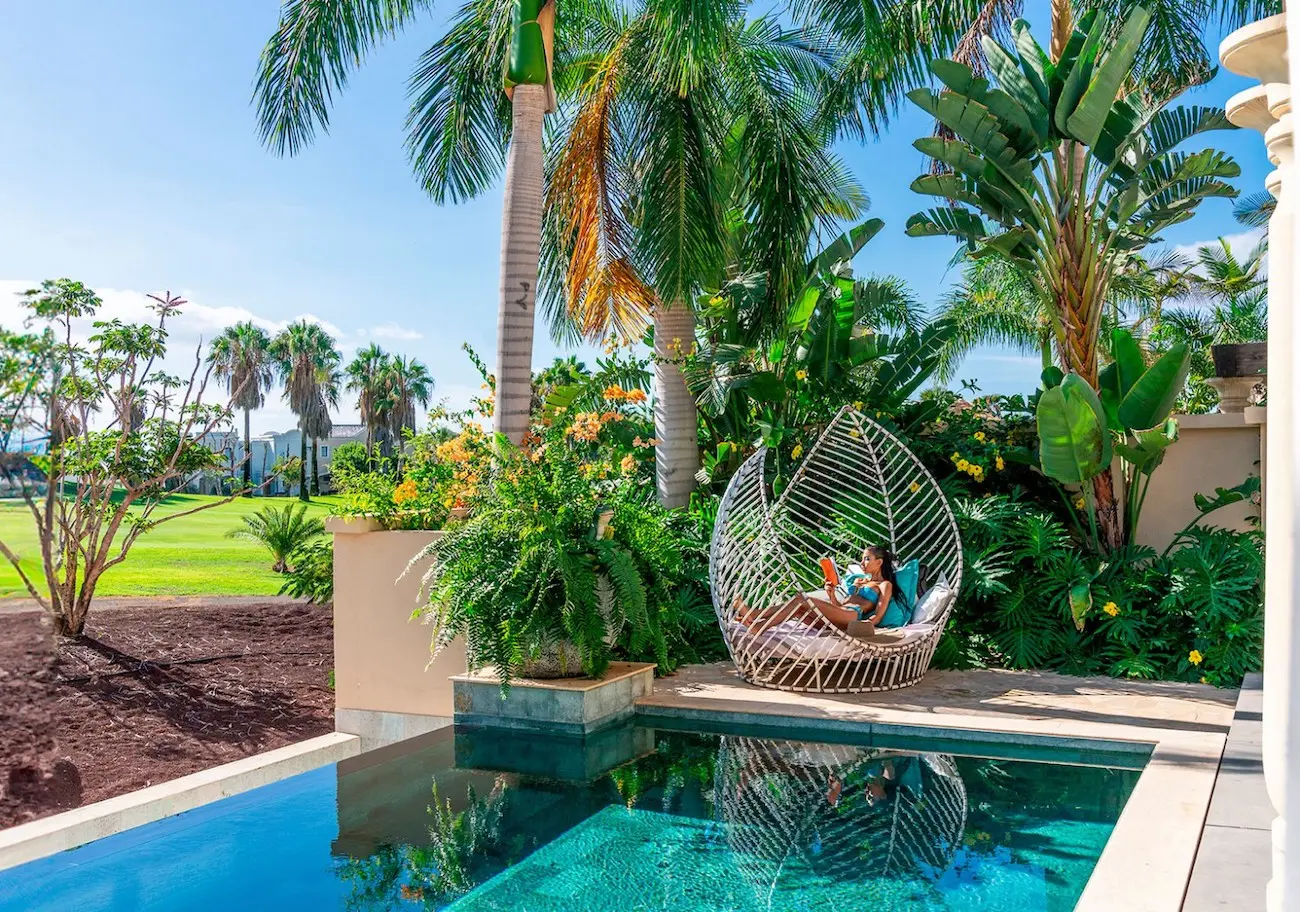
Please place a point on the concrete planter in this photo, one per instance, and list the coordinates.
(385, 685)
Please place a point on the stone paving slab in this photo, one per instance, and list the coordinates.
(1148, 860)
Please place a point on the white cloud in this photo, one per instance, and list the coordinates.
(1241, 244)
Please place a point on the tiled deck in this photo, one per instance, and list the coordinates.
(1148, 861)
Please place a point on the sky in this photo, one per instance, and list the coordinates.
(130, 161)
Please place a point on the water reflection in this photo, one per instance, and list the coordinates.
(688, 821)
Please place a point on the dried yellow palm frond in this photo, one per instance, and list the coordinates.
(603, 291)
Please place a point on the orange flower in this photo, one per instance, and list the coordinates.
(628, 465)
(615, 393)
(404, 492)
(635, 396)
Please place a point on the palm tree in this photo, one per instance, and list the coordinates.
(458, 128)
(366, 376)
(689, 126)
(241, 356)
(1067, 184)
(317, 421)
(408, 384)
(281, 530)
(307, 362)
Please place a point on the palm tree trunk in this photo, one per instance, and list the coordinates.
(315, 467)
(521, 232)
(677, 457)
(248, 457)
(1062, 27)
(302, 467)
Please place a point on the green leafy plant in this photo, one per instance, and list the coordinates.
(281, 530)
(311, 573)
(561, 556)
(1068, 175)
(1079, 432)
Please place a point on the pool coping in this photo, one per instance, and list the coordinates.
(70, 829)
(1147, 862)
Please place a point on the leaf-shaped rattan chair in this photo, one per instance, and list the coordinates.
(801, 813)
(858, 486)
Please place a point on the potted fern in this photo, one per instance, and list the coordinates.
(564, 562)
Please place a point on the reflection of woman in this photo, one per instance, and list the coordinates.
(870, 596)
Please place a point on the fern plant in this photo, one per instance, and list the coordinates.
(282, 531)
(559, 554)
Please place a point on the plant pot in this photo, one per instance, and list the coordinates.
(1244, 359)
(562, 660)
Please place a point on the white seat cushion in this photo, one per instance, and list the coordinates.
(931, 605)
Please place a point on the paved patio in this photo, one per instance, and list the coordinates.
(1149, 859)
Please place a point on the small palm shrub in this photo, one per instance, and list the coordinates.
(1033, 597)
(282, 531)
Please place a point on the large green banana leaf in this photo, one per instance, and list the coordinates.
(1152, 397)
(1073, 441)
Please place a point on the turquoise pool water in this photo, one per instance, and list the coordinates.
(640, 818)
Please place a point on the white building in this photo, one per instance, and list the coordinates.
(267, 450)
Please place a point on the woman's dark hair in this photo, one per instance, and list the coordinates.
(887, 559)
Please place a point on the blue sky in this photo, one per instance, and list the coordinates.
(131, 162)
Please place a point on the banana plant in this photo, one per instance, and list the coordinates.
(1059, 167)
(1080, 433)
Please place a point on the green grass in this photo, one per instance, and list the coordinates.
(187, 556)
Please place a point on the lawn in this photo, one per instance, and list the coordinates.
(189, 556)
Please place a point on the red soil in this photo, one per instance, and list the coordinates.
(151, 694)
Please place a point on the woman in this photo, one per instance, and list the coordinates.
(872, 596)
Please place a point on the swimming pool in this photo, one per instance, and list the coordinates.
(643, 817)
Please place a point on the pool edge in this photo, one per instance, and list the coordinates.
(70, 829)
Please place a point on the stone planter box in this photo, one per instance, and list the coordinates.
(573, 706)
(385, 687)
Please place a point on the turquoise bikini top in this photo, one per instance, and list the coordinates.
(851, 585)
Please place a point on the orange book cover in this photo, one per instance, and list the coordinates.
(829, 570)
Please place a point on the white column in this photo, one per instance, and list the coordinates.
(1259, 51)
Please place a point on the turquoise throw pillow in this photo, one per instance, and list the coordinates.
(908, 577)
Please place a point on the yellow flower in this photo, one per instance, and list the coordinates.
(1079, 502)
(614, 393)
(962, 465)
(1110, 608)
(914, 488)
(999, 463)
(956, 457)
(855, 433)
(977, 472)
(801, 375)
(979, 435)
(1195, 657)
(797, 451)
(859, 405)
(635, 396)
(404, 492)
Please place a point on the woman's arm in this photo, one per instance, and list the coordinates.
(886, 590)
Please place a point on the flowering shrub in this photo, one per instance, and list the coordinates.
(1033, 598)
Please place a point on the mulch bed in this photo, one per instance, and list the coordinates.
(151, 694)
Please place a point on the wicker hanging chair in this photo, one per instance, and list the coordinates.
(858, 486)
(798, 815)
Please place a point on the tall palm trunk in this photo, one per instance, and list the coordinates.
(521, 232)
(248, 457)
(677, 456)
(302, 467)
(315, 467)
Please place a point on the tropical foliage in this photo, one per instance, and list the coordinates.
(282, 530)
(1034, 599)
(241, 356)
(1058, 172)
(307, 362)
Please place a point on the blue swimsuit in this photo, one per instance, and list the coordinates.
(895, 614)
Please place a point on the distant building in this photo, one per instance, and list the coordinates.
(267, 450)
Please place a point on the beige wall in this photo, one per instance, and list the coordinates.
(381, 656)
(1212, 451)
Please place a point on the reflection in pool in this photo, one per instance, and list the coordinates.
(634, 819)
